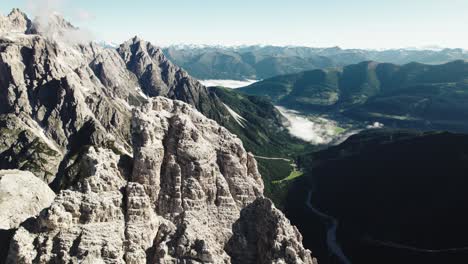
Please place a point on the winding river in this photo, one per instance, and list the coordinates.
(332, 227)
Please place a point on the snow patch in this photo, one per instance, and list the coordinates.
(40, 133)
(233, 84)
(375, 125)
(239, 119)
(125, 103)
(140, 92)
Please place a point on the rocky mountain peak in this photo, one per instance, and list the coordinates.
(158, 75)
(56, 28)
(52, 26)
(136, 40)
(15, 22)
(17, 14)
(54, 20)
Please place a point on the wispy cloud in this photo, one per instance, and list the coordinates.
(50, 23)
(319, 130)
(322, 131)
(43, 9)
(227, 83)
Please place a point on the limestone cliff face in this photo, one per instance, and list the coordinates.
(16, 21)
(72, 91)
(192, 188)
(195, 174)
(49, 88)
(157, 76)
(139, 178)
(85, 223)
(22, 195)
(264, 235)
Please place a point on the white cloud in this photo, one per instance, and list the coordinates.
(228, 83)
(321, 132)
(50, 23)
(317, 131)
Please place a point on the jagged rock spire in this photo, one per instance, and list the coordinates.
(15, 22)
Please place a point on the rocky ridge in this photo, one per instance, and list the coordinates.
(75, 90)
(138, 179)
(16, 22)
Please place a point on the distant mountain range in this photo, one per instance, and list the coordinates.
(260, 62)
(410, 96)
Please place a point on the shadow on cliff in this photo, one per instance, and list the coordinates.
(5, 238)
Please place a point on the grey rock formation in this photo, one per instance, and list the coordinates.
(52, 84)
(24, 146)
(181, 204)
(22, 195)
(79, 93)
(157, 76)
(196, 174)
(264, 235)
(16, 21)
(51, 88)
(139, 179)
(84, 224)
(53, 27)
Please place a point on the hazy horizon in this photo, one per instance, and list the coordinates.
(362, 24)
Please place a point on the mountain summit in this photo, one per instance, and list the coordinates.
(16, 21)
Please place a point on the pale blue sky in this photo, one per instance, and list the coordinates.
(344, 23)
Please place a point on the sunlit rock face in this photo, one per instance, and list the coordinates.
(193, 194)
(22, 195)
(139, 178)
(16, 22)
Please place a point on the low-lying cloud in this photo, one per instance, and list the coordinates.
(320, 130)
(233, 84)
(323, 131)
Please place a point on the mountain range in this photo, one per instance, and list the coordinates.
(261, 62)
(414, 95)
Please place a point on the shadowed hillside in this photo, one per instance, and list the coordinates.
(399, 195)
